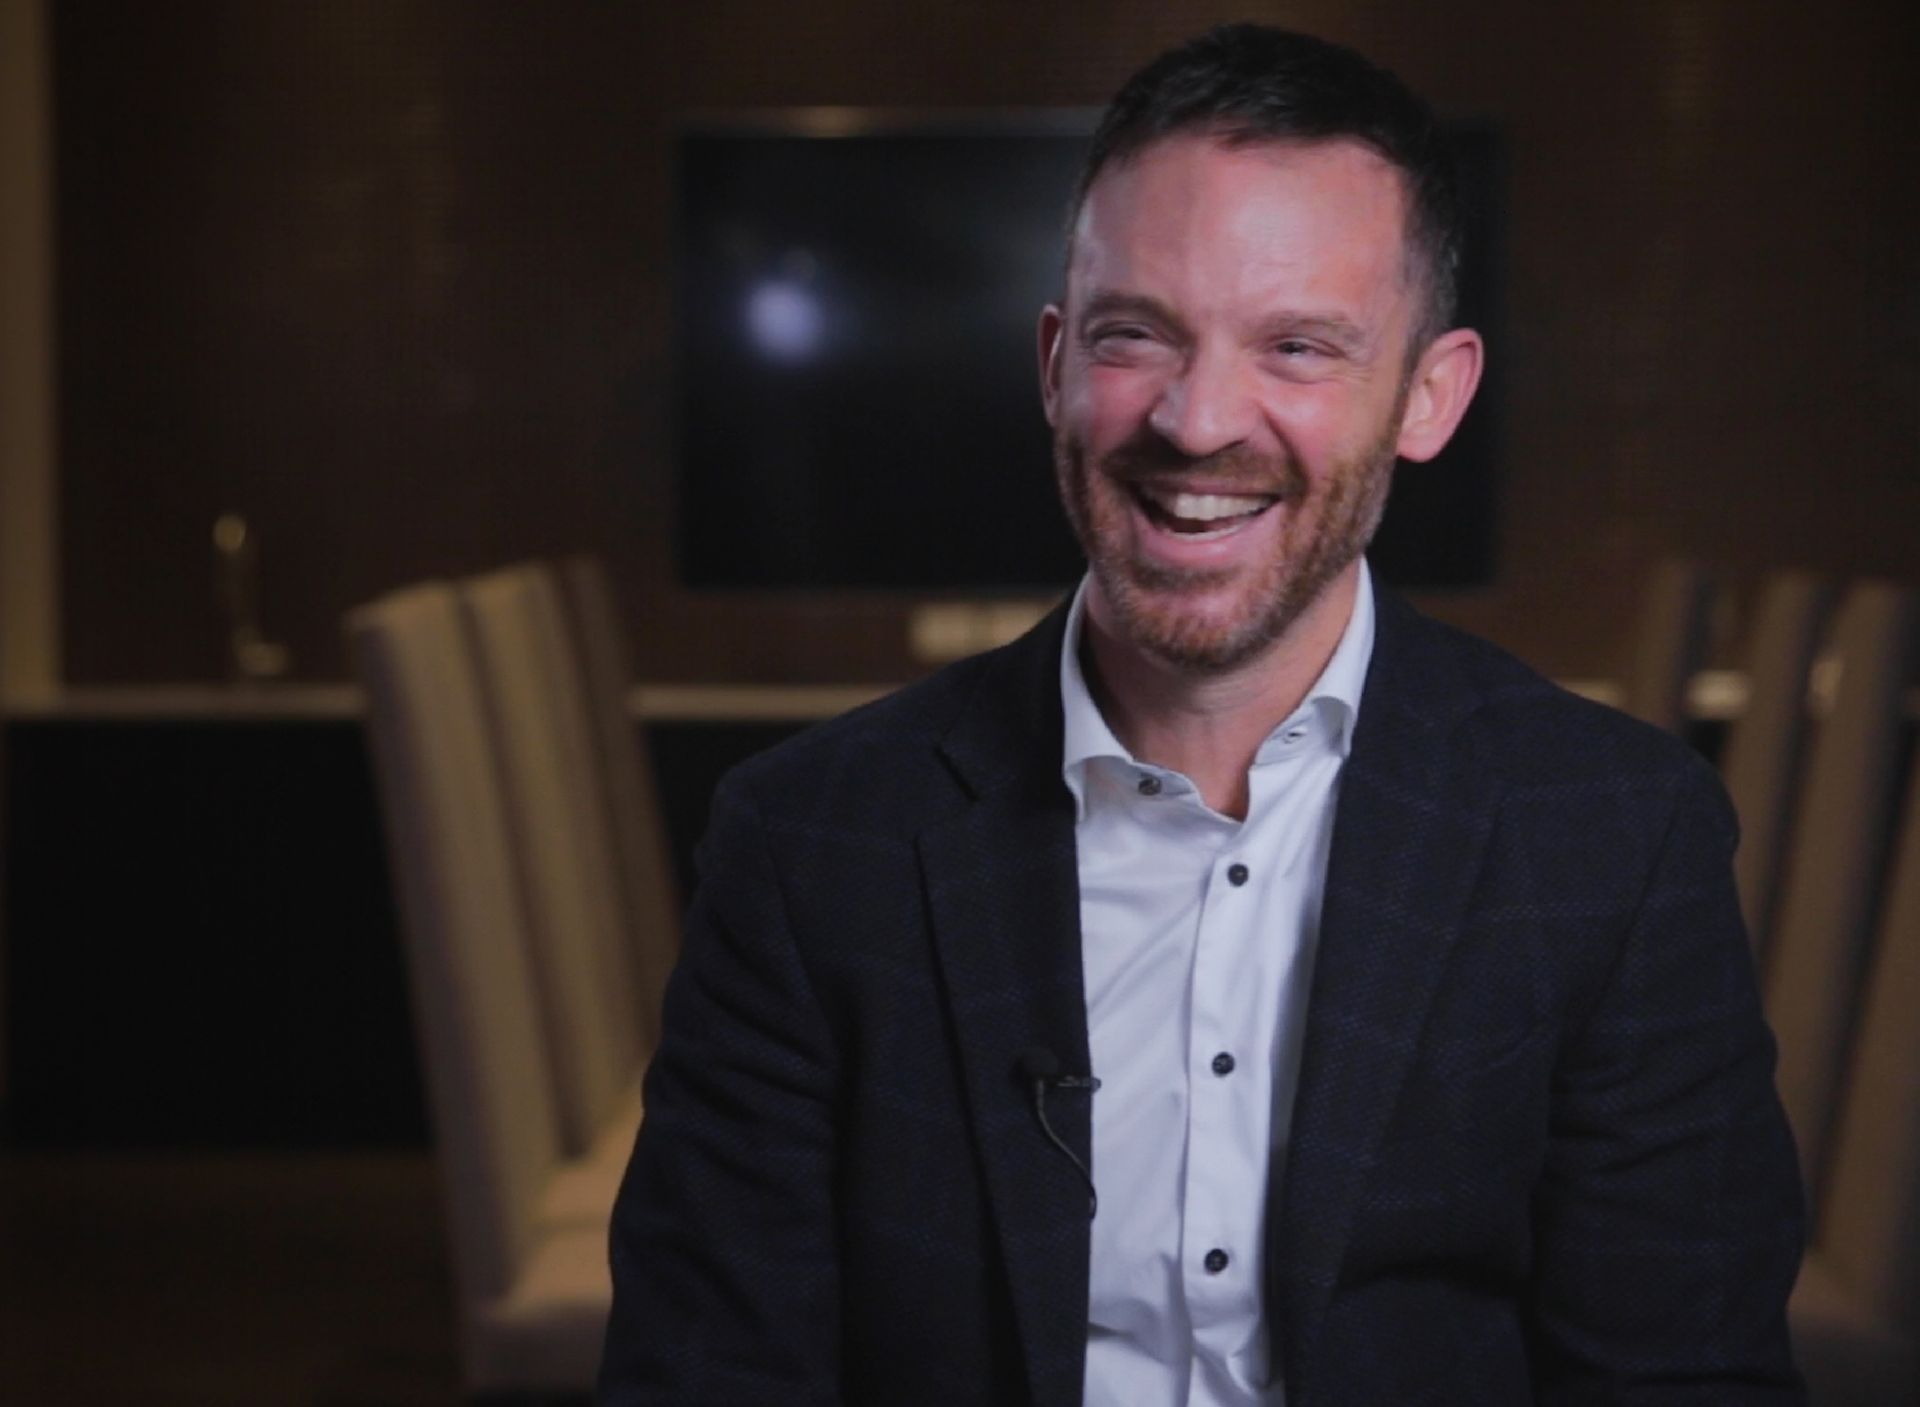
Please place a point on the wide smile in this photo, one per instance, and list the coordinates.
(1183, 517)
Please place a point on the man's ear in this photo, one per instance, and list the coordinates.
(1052, 323)
(1438, 393)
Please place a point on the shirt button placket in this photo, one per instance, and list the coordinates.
(1209, 1188)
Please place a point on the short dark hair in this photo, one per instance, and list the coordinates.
(1252, 83)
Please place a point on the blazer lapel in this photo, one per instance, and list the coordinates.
(1415, 807)
(1003, 895)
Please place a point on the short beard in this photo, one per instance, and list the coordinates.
(1352, 501)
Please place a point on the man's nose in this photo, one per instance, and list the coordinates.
(1208, 407)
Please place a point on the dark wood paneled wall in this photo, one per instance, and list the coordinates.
(389, 276)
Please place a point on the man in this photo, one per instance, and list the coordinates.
(1396, 1001)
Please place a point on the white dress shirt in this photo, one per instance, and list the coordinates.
(1197, 941)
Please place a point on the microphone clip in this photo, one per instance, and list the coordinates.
(1041, 1068)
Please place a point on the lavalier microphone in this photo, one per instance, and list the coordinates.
(1040, 1069)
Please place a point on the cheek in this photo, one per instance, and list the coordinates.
(1324, 426)
(1108, 404)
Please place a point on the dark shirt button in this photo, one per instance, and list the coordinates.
(1223, 1064)
(1216, 1261)
(1149, 786)
(1236, 874)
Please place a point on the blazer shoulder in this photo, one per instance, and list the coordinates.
(1539, 731)
(880, 766)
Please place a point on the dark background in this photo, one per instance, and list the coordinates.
(894, 446)
(391, 278)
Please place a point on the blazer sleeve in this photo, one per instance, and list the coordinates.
(1669, 1218)
(725, 1285)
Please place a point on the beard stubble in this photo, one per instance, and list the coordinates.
(1148, 597)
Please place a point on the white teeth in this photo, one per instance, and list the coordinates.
(1209, 534)
(1205, 507)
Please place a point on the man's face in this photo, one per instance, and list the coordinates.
(1226, 385)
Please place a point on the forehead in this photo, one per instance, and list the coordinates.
(1194, 206)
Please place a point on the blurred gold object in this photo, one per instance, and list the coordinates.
(250, 658)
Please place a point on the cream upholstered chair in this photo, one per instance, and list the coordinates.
(1669, 642)
(625, 770)
(532, 1288)
(1765, 745)
(1821, 937)
(584, 963)
(1856, 1310)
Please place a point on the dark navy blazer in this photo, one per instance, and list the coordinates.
(1536, 1152)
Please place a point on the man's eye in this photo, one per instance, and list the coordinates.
(1295, 347)
(1121, 343)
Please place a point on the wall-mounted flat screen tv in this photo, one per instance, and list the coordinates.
(856, 399)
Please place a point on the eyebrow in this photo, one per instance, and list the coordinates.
(1109, 302)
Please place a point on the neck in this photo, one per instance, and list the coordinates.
(1209, 725)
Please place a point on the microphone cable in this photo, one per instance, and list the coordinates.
(1041, 1067)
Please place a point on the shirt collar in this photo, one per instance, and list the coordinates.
(1336, 693)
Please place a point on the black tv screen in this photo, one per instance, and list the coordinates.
(857, 400)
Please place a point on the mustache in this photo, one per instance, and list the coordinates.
(1236, 469)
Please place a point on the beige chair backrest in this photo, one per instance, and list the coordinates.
(631, 791)
(1821, 939)
(1669, 643)
(584, 967)
(481, 1048)
(1766, 744)
(1870, 1217)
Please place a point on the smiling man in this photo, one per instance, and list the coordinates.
(1233, 388)
(1388, 1007)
